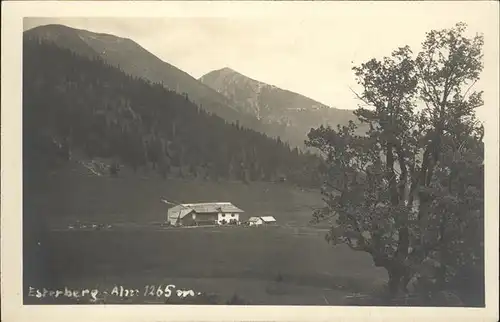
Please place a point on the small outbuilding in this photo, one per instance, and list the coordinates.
(268, 219)
(257, 221)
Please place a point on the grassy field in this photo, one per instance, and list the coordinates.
(73, 194)
(287, 264)
(273, 265)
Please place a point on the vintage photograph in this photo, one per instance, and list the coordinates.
(254, 160)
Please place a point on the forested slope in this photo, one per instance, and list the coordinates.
(72, 103)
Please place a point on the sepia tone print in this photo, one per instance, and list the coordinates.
(144, 183)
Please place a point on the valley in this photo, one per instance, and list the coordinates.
(148, 170)
(110, 130)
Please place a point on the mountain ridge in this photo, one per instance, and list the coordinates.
(76, 108)
(273, 104)
(287, 114)
(228, 70)
(137, 61)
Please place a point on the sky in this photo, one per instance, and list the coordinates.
(312, 54)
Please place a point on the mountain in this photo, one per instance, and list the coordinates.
(134, 60)
(271, 104)
(232, 96)
(80, 109)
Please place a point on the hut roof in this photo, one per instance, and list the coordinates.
(268, 219)
(200, 208)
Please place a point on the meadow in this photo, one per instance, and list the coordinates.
(268, 265)
(73, 193)
(290, 263)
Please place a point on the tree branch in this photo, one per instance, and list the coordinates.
(468, 89)
(360, 98)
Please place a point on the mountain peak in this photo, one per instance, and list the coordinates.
(50, 26)
(292, 111)
(225, 70)
(58, 30)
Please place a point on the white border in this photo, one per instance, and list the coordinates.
(11, 172)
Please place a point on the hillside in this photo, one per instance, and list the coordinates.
(226, 93)
(271, 104)
(136, 61)
(73, 105)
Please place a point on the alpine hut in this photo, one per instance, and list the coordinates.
(209, 213)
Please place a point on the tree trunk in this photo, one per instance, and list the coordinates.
(390, 176)
(395, 277)
(399, 274)
(398, 279)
